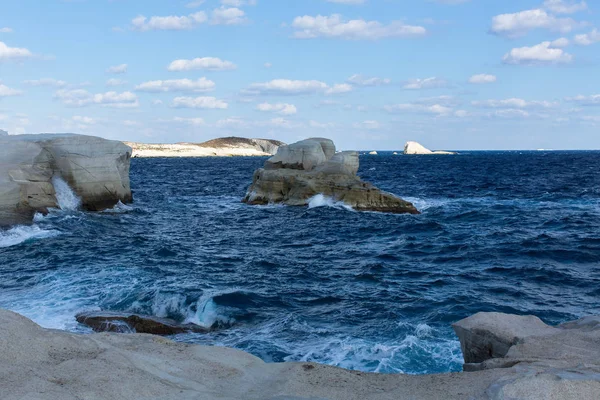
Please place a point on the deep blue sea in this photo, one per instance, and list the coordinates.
(515, 232)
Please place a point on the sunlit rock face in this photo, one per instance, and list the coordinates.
(311, 167)
(95, 169)
(414, 148)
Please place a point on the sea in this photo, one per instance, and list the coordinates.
(515, 232)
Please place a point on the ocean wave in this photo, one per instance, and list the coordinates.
(20, 234)
(321, 200)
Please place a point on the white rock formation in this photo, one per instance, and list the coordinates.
(373, 153)
(222, 147)
(417, 148)
(561, 363)
(96, 169)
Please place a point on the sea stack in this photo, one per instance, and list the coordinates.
(311, 167)
(96, 169)
(414, 148)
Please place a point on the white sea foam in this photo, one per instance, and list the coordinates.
(207, 313)
(66, 198)
(321, 200)
(119, 208)
(20, 234)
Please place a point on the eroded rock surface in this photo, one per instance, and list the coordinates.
(105, 321)
(559, 363)
(311, 167)
(96, 169)
(414, 148)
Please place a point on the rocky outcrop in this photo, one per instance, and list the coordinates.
(311, 167)
(105, 321)
(96, 169)
(221, 147)
(3, 133)
(416, 148)
(559, 363)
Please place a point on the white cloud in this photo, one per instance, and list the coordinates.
(195, 3)
(13, 53)
(587, 39)
(565, 7)
(436, 109)
(177, 85)
(6, 30)
(513, 103)
(157, 102)
(83, 98)
(190, 121)
(228, 16)
(117, 69)
(323, 125)
(540, 54)
(84, 120)
(280, 108)
(115, 82)
(368, 125)
(199, 102)
(360, 80)
(427, 83)
(510, 113)
(5, 91)
(268, 65)
(238, 3)
(461, 113)
(593, 100)
(518, 24)
(171, 22)
(308, 27)
(286, 86)
(482, 78)
(205, 63)
(339, 88)
(46, 82)
(561, 42)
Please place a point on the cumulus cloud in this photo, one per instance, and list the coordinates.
(587, 39)
(435, 109)
(228, 16)
(6, 30)
(510, 113)
(286, 86)
(360, 80)
(171, 22)
(565, 7)
(339, 88)
(518, 24)
(540, 54)
(83, 98)
(334, 26)
(199, 102)
(561, 42)
(5, 91)
(279, 108)
(204, 63)
(117, 69)
(482, 78)
(46, 82)
(427, 83)
(368, 125)
(177, 85)
(115, 82)
(238, 3)
(593, 100)
(195, 3)
(13, 53)
(190, 121)
(513, 103)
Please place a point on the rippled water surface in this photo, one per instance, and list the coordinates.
(500, 231)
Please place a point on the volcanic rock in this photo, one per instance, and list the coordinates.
(104, 321)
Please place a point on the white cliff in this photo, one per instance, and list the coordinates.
(416, 148)
(96, 169)
(222, 147)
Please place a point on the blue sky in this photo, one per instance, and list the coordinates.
(370, 74)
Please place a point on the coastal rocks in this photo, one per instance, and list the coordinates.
(373, 153)
(561, 363)
(96, 169)
(221, 147)
(310, 167)
(105, 321)
(416, 148)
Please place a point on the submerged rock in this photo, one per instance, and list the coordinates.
(561, 363)
(417, 148)
(310, 167)
(105, 321)
(96, 169)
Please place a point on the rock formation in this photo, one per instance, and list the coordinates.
(373, 153)
(106, 321)
(221, 147)
(417, 148)
(311, 167)
(545, 362)
(3, 133)
(96, 169)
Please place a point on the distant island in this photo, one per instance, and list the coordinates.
(221, 147)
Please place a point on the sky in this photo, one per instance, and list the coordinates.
(369, 74)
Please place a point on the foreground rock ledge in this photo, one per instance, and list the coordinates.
(310, 167)
(548, 363)
(96, 169)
